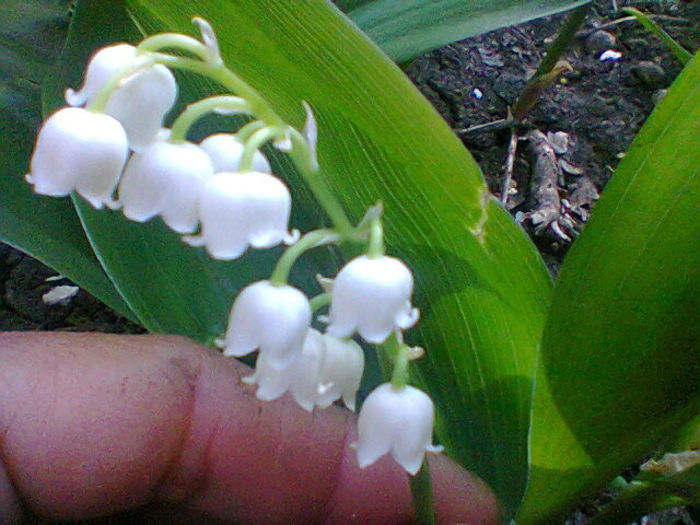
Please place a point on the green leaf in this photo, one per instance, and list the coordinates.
(406, 28)
(482, 287)
(46, 228)
(618, 369)
(31, 36)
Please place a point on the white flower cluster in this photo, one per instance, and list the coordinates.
(125, 149)
(110, 147)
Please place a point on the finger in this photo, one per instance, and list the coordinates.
(92, 424)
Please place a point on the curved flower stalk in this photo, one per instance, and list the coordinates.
(139, 101)
(165, 179)
(78, 150)
(273, 319)
(238, 210)
(226, 151)
(398, 421)
(326, 370)
(372, 296)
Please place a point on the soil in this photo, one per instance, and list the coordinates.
(595, 110)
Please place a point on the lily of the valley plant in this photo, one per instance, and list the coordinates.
(110, 147)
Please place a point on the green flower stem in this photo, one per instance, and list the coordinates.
(300, 154)
(311, 240)
(248, 129)
(321, 300)
(224, 76)
(422, 492)
(399, 377)
(394, 358)
(175, 41)
(376, 238)
(305, 161)
(255, 142)
(203, 107)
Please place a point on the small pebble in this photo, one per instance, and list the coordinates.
(610, 55)
(600, 41)
(649, 73)
(559, 141)
(59, 295)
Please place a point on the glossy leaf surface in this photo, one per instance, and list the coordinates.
(618, 369)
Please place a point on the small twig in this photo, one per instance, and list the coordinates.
(675, 20)
(510, 164)
(544, 199)
(608, 25)
(488, 126)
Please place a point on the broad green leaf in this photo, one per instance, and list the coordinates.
(48, 229)
(406, 28)
(481, 285)
(618, 369)
(31, 35)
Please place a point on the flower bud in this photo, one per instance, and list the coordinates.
(141, 99)
(165, 179)
(226, 150)
(397, 421)
(79, 150)
(326, 369)
(239, 210)
(373, 297)
(271, 318)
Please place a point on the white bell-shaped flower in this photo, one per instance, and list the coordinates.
(226, 150)
(165, 179)
(140, 101)
(326, 370)
(102, 65)
(238, 210)
(79, 150)
(397, 421)
(373, 297)
(271, 318)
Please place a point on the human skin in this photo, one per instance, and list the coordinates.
(94, 424)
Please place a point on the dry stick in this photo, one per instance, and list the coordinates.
(676, 20)
(545, 202)
(549, 70)
(493, 126)
(510, 164)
